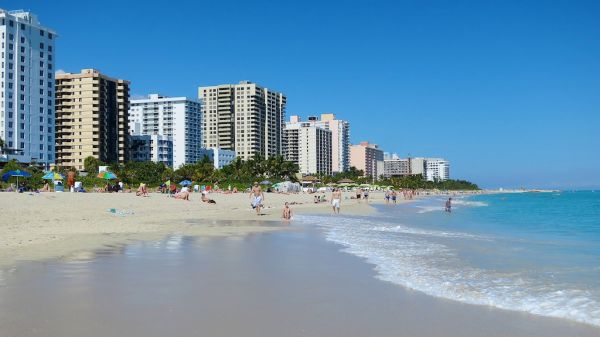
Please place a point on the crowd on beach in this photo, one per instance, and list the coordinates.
(256, 194)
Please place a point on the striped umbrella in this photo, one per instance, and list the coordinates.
(107, 175)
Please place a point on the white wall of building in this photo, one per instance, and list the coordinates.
(219, 157)
(27, 87)
(179, 118)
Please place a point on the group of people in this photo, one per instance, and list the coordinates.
(391, 195)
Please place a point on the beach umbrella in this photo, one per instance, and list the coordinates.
(266, 182)
(53, 176)
(185, 183)
(107, 175)
(15, 173)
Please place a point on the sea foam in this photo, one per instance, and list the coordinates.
(418, 259)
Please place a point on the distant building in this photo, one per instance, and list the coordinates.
(245, 118)
(219, 157)
(340, 140)
(308, 145)
(395, 167)
(156, 148)
(364, 156)
(437, 169)
(178, 118)
(417, 166)
(27, 87)
(91, 118)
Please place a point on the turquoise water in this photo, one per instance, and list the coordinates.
(532, 252)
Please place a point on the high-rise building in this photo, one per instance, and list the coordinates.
(308, 145)
(219, 157)
(28, 60)
(244, 117)
(365, 156)
(340, 140)
(156, 148)
(437, 169)
(91, 118)
(396, 167)
(178, 118)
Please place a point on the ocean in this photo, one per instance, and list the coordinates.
(532, 252)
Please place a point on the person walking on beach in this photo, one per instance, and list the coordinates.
(366, 195)
(287, 212)
(449, 205)
(258, 196)
(387, 196)
(336, 199)
(394, 196)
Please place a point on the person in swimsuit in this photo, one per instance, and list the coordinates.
(258, 197)
(287, 212)
(394, 196)
(336, 199)
(366, 195)
(449, 205)
(387, 197)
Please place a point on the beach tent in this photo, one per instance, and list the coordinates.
(15, 173)
(287, 187)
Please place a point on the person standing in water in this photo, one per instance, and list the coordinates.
(449, 205)
(287, 212)
(258, 197)
(336, 199)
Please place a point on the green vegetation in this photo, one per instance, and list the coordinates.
(238, 174)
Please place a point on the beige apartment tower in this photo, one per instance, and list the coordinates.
(244, 117)
(91, 118)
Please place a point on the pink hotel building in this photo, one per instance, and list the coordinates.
(364, 156)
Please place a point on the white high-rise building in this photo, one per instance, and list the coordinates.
(27, 57)
(340, 140)
(156, 148)
(219, 157)
(244, 117)
(178, 118)
(308, 145)
(437, 169)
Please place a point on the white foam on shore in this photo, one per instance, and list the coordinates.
(415, 258)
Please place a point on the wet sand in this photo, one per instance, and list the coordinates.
(284, 283)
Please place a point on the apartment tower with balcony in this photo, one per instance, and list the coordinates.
(91, 118)
(177, 118)
(27, 56)
(244, 117)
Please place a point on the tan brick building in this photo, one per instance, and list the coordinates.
(91, 118)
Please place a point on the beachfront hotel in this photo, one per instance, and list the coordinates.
(366, 157)
(243, 117)
(308, 145)
(340, 140)
(27, 56)
(178, 118)
(156, 148)
(396, 167)
(437, 169)
(219, 157)
(91, 118)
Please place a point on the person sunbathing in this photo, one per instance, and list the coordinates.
(184, 195)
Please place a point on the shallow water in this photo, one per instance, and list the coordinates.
(290, 283)
(533, 252)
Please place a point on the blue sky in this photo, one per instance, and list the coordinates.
(508, 91)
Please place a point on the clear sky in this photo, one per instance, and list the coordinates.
(508, 91)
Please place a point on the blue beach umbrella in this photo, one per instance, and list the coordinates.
(15, 173)
(185, 183)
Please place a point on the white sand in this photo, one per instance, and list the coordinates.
(50, 225)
